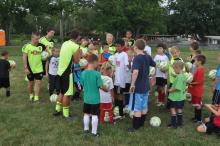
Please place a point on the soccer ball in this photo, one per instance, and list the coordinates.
(131, 114)
(12, 63)
(163, 66)
(189, 77)
(188, 96)
(212, 74)
(173, 73)
(111, 58)
(106, 118)
(106, 81)
(152, 71)
(53, 98)
(188, 66)
(44, 55)
(83, 62)
(116, 111)
(126, 110)
(155, 121)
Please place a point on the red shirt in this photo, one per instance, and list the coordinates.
(125, 49)
(199, 77)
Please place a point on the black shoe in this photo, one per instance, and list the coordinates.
(69, 118)
(86, 131)
(57, 113)
(171, 126)
(96, 135)
(8, 93)
(131, 130)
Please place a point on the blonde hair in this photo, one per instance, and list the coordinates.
(173, 48)
(109, 35)
(106, 66)
(179, 63)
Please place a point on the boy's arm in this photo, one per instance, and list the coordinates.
(24, 58)
(213, 110)
(133, 79)
(47, 67)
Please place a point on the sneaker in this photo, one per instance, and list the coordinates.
(96, 135)
(31, 97)
(159, 104)
(194, 120)
(56, 113)
(171, 126)
(117, 117)
(67, 118)
(86, 131)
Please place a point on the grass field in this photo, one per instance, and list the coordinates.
(24, 123)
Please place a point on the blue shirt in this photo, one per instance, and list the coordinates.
(142, 63)
(217, 87)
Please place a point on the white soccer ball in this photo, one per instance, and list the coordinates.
(44, 55)
(83, 62)
(189, 77)
(188, 66)
(126, 110)
(152, 71)
(116, 111)
(106, 81)
(12, 63)
(155, 121)
(106, 118)
(188, 96)
(163, 66)
(212, 74)
(53, 98)
(111, 58)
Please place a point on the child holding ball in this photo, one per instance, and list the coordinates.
(177, 96)
(106, 97)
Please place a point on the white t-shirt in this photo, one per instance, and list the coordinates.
(147, 49)
(121, 62)
(53, 65)
(128, 75)
(106, 97)
(158, 59)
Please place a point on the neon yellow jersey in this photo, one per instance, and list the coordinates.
(68, 49)
(34, 57)
(171, 70)
(47, 43)
(84, 50)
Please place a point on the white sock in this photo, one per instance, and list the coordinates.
(86, 120)
(94, 124)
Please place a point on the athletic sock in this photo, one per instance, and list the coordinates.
(173, 120)
(94, 124)
(121, 106)
(199, 115)
(180, 119)
(51, 92)
(196, 114)
(86, 120)
(8, 93)
(36, 98)
(58, 106)
(116, 102)
(66, 111)
(136, 122)
(143, 118)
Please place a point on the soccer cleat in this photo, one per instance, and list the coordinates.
(171, 126)
(86, 131)
(57, 113)
(96, 135)
(68, 118)
(31, 97)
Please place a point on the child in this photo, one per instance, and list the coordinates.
(161, 77)
(175, 55)
(103, 57)
(77, 70)
(196, 87)
(83, 46)
(121, 63)
(4, 73)
(214, 124)
(216, 86)
(51, 72)
(140, 84)
(130, 54)
(177, 95)
(106, 97)
(91, 82)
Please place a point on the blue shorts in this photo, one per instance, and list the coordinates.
(138, 102)
(177, 104)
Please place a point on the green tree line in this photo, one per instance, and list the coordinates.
(115, 16)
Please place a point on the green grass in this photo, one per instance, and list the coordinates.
(24, 123)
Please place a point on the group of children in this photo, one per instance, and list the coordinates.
(125, 65)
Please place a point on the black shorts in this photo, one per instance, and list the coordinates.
(44, 67)
(92, 109)
(210, 128)
(176, 104)
(37, 76)
(64, 81)
(119, 90)
(127, 88)
(4, 83)
(216, 97)
(161, 81)
(54, 83)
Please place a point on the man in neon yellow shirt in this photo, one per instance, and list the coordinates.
(69, 51)
(33, 65)
(109, 41)
(48, 39)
